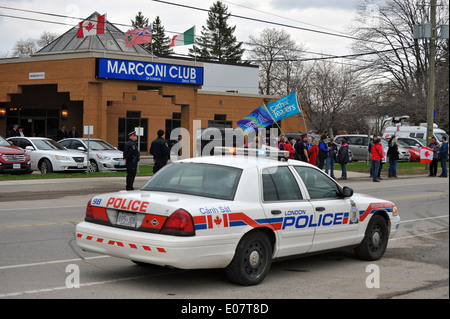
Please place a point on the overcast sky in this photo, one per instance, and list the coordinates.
(333, 16)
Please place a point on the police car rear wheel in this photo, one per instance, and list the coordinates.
(251, 263)
(375, 240)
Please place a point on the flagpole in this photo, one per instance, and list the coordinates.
(282, 133)
(303, 117)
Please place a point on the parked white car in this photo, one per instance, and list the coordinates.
(102, 155)
(48, 156)
(238, 213)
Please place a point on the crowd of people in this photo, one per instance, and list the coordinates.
(325, 152)
(320, 153)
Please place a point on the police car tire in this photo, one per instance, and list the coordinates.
(375, 240)
(252, 260)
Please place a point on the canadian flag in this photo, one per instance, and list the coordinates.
(91, 27)
(426, 155)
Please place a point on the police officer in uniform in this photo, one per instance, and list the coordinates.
(160, 151)
(301, 149)
(132, 156)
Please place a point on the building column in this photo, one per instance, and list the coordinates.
(95, 109)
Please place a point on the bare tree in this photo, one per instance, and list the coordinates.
(328, 89)
(30, 45)
(276, 54)
(25, 47)
(386, 29)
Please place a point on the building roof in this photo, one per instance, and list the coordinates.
(112, 41)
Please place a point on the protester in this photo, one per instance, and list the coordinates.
(323, 150)
(132, 156)
(343, 158)
(331, 158)
(443, 156)
(282, 143)
(160, 151)
(309, 142)
(313, 152)
(393, 155)
(434, 145)
(376, 156)
(374, 140)
(288, 147)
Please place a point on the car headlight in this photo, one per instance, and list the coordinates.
(103, 158)
(63, 158)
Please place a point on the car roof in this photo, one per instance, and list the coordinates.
(240, 161)
(32, 137)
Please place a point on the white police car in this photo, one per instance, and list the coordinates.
(237, 213)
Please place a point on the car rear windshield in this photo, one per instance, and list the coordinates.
(206, 180)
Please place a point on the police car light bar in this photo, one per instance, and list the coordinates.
(259, 152)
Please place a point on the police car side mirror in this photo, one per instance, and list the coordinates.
(347, 192)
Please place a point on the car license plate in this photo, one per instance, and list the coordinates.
(126, 219)
(16, 166)
(80, 165)
(121, 163)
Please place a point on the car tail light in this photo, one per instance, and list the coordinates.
(180, 223)
(89, 212)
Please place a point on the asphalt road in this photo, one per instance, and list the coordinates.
(39, 258)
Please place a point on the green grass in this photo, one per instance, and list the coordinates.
(144, 170)
(403, 168)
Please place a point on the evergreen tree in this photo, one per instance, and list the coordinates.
(217, 41)
(161, 43)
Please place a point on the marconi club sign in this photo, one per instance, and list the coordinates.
(149, 71)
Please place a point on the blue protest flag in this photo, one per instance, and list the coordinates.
(259, 118)
(284, 107)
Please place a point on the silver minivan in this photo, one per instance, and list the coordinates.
(358, 144)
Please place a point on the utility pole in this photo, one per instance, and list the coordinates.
(432, 74)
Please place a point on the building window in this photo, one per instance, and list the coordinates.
(220, 120)
(128, 124)
(173, 123)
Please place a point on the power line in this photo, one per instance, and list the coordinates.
(273, 23)
(325, 56)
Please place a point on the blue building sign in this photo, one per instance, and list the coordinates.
(149, 71)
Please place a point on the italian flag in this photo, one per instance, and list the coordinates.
(185, 38)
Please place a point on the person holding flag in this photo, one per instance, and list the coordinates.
(434, 145)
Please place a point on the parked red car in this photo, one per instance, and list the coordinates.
(13, 159)
(415, 153)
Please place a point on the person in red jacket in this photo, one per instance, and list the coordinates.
(313, 152)
(376, 156)
(288, 147)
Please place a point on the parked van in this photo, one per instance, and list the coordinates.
(359, 145)
(419, 132)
